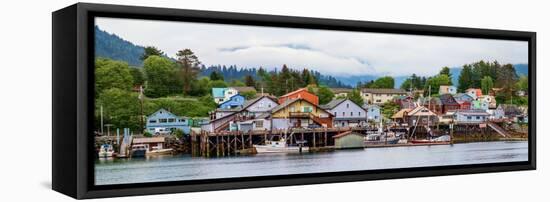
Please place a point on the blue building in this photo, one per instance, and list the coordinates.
(373, 113)
(163, 122)
(233, 102)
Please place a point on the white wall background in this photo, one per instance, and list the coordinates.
(25, 97)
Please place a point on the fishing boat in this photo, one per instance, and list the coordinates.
(378, 139)
(280, 146)
(440, 139)
(106, 151)
(158, 151)
(139, 150)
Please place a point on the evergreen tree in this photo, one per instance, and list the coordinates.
(189, 68)
(151, 50)
(249, 81)
(355, 96)
(486, 84)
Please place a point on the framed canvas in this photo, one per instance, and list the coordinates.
(156, 100)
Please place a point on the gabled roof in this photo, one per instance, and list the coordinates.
(462, 96)
(333, 103)
(248, 103)
(290, 101)
(448, 99)
(401, 114)
(383, 91)
(421, 111)
(162, 110)
(231, 98)
(472, 112)
(218, 92)
(296, 91)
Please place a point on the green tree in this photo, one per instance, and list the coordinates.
(120, 108)
(249, 94)
(446, 71)
(486, 84)
(151, 50)
(160, 74)
(189, 68)
(507, 79)
(523, 83)
(138, 77)
(389, 108)
(325, 95)
(112, 74)
(249, 81)
(465, 79)
(436, 81)
(217, 84)
(214, 76)
(384, 82)
(237, 83)
(355, 96)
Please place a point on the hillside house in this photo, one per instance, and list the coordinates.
(234, 101)
(163, 120)
(380, 96)
(346, 113)
(421, 116)
(447, 90)
(341, 92)
(472, 116)
(448, 103)
(474, 92)
(490, 100)
(373, 113)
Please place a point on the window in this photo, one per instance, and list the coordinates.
(307, 109)
(359, 113)
(182, 120)
(347, 105)
(259, 124)
(343, 113)
(335, 113)
(477, 117)
(351, 113)
(291, 109)
(152, 121)
(171, 120)
(469, 118)
(162, 120)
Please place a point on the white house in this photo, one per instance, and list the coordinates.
(447, 90)
(346, 113)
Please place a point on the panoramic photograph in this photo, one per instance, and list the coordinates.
(178, 101)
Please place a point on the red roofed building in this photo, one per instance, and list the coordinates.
(300, 93)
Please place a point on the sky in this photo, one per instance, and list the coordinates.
(337, 53)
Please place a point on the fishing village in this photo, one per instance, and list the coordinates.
(297, 123)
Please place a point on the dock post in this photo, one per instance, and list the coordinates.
(217, 145)
(242, 140)
(207, 145)
(250, 139)
(235, 138)
(325, 139)
(228, 145)
(314, 139)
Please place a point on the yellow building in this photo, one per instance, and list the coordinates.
(297, 113)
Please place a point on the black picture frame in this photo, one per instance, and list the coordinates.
(73, 103)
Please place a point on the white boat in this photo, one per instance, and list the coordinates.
(106, 151)
(159, 151)
(279, 146)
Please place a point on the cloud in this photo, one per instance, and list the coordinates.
(339, 53)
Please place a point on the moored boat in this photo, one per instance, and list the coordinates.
(440, 139)
(139, 150)
(106, 151)
(280, 146)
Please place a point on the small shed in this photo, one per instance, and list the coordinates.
(349, 140)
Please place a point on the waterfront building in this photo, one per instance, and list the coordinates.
(302, 93)
(300, 113)
(421, 116)
(472, 116)
(448, 103)
(405, 102)
(373, 113)
(229, 119)
(349, 140)
(463, 97)
(380, 96)
(346, 113)
(234, 101)
(433, 104)
(447, 90)
(400, 117)
(152, 143)
(163, 120)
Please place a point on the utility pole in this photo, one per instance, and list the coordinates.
(101, 118)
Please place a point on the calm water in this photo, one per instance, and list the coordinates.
(174, 168)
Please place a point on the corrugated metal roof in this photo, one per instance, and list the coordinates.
(145, 140)
(218, 92)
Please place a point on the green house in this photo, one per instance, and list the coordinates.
(349, 140)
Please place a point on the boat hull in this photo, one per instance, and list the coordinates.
(138, 153)
(271, 149)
